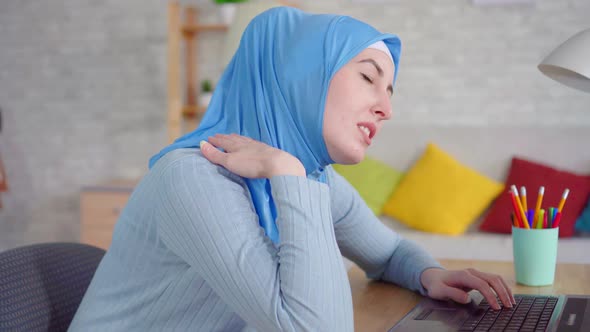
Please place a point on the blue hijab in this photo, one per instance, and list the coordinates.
(274, 90)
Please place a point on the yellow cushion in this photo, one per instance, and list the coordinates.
(440, 195)
(373, 179)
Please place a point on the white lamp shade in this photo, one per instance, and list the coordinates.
(569, 63)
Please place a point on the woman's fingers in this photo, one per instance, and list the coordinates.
(512, 299)
(499, 286)
(455, 294)
(213, 154)
(240, 138)
(250, 158)
(443, 284)
(466, 278)
(229, 143)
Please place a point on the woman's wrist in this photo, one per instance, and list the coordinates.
(428, 275)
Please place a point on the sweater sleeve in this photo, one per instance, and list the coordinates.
(207, 218)
(382, 253)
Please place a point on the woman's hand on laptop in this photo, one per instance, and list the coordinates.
(455, 284)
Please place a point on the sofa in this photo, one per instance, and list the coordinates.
(488, 150)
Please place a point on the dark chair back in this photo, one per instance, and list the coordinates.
(42, 285)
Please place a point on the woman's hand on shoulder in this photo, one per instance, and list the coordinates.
(454, 285)
(249, 158)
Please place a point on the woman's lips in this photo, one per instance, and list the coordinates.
(368, 129)
(366, 136)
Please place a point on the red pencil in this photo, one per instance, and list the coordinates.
(556, 220)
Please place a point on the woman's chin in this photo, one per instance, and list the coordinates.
(352, 158)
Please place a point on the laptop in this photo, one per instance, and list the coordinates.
(531, 313)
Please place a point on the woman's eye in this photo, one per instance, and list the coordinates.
(367, 78)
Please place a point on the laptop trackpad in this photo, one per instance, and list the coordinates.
(438, 314)
(576, 315)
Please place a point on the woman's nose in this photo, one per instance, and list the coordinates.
(383, 108)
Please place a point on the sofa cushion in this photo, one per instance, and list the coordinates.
(583, 222)
(373, 179)
(533, 175)
(439, 194)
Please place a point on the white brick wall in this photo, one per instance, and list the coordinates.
(465, 64)
(82, 86)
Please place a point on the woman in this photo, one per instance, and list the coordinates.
(248, 229)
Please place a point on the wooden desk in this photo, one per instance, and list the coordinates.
(378, 306)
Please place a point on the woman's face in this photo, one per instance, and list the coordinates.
(357, 103)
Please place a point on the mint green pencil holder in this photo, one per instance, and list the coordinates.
(535, 255)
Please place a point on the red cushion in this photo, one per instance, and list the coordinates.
(533, 175)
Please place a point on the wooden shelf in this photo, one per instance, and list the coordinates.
(183, 32)
(193, 111)
(189, 29)
(184, 29)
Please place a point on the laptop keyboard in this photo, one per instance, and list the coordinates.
(531, 313)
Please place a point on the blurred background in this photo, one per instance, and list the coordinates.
(83, 86)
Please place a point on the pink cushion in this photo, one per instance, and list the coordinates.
(532, 175)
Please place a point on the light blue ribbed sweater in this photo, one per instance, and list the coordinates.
(188, 254)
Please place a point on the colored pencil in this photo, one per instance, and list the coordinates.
(544, 218)
(557, 220)
(562, 201)
(524, 220)
(539, 201)
(523, 198)
(516, 211)
(539, 221)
